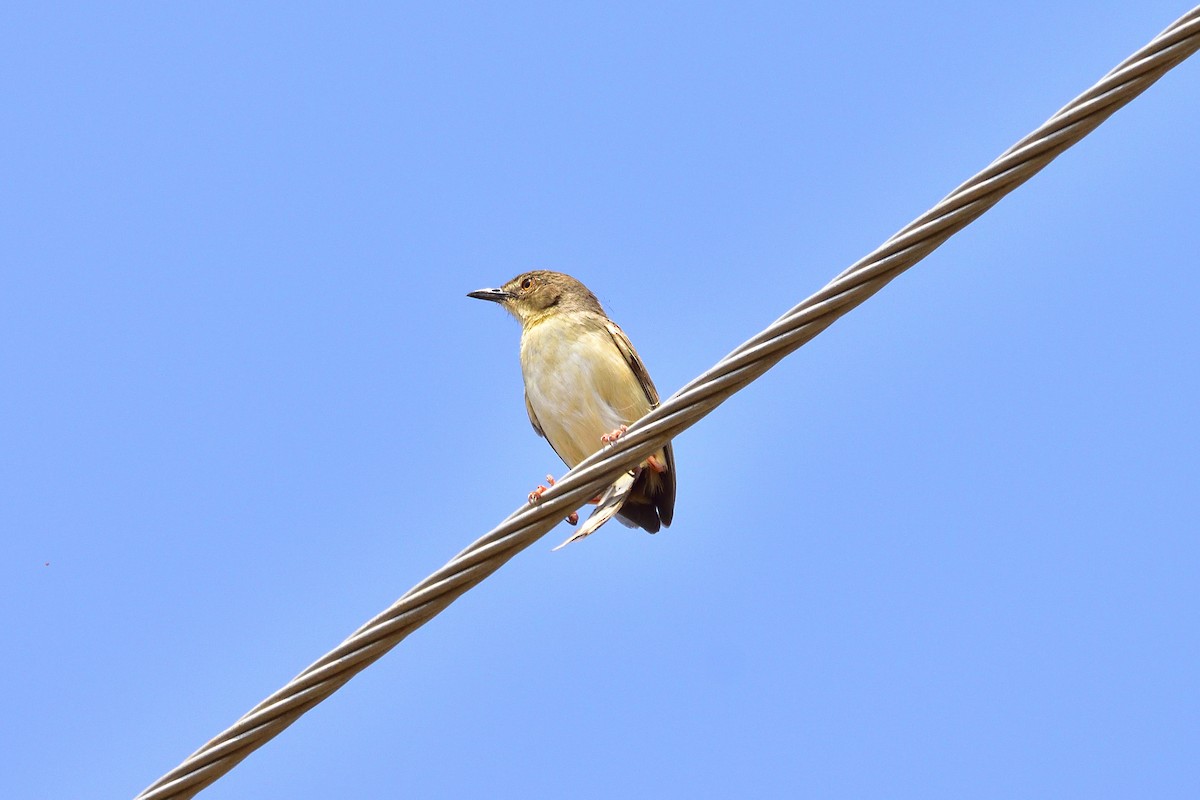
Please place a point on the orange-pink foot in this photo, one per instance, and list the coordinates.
(616, 433)
(535, 497)
(655, 465)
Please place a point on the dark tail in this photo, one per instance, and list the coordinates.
(651, 503)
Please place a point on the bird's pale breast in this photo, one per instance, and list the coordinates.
(578, 384)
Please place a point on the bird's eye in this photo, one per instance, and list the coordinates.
(525, 284)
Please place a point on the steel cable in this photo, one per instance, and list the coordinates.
(694, 401)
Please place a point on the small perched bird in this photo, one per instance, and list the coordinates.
(584, 383)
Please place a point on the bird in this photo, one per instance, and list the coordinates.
(584, 384)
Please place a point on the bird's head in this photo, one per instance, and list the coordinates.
(533, 296)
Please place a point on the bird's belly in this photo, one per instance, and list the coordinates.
(565, 385)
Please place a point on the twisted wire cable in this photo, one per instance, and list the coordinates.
(682, 410)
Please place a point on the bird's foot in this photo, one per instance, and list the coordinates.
(535, 497)
(615, 434)
(655, 465)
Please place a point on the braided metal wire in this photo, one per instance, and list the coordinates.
(682, 410)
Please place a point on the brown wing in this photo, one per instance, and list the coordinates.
(537, 426)
(652, 500)
(533, 420)
(633, 360)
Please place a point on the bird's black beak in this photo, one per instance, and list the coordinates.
(495, 295)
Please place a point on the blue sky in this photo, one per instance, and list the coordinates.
(949, 549)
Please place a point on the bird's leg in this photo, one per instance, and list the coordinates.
(655, 465)
(535, 497)
(615, 434)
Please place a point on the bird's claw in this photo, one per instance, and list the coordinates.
(615, 434)
(535, 497)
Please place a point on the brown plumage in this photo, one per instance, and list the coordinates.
(583, 380)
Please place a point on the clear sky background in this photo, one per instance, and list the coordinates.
(949, 549)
